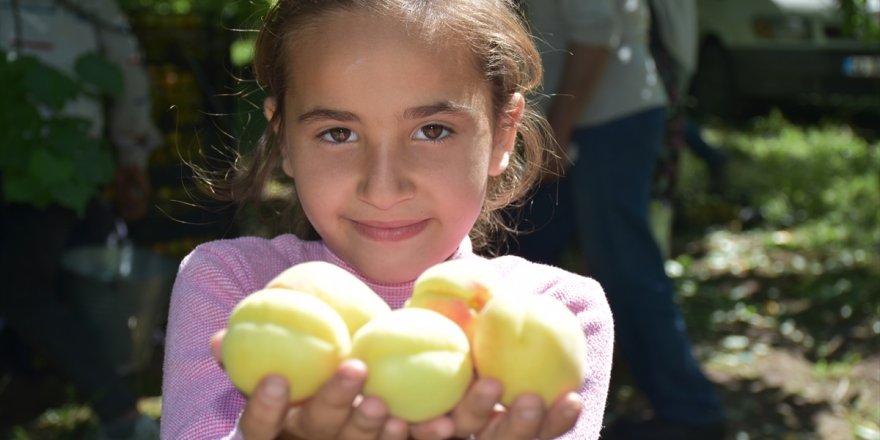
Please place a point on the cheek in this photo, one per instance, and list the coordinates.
(311, 176)
(479, 164)
(313, 184)
(472, 174)
(319, 202)
(464, 183)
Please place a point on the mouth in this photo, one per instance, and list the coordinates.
(390, 231)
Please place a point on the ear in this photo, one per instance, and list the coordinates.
(270, 105)
(504, 138)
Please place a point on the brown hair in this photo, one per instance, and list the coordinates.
(492, 30)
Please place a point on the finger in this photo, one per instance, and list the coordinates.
(324, 414)
(476, 407)
(562, 416)
(217, 345)
(366, 421)
(264, 412)
(435, 429)
(395, 429)
(523, 418)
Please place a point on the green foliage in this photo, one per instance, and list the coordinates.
(812, 261)
(241, 52)
(47, 157)
(787, 301)
(235, 12)
(858, 20)
(821, 180)
(98, 76)
(239, 16)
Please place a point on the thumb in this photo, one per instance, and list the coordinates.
(264, 412)
(217, 345)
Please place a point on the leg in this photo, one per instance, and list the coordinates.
(612, 186)
(707, 153)
(715, 160)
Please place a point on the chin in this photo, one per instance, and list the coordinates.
(393, 267)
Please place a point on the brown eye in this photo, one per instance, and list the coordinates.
(338, 135)
(432, 132)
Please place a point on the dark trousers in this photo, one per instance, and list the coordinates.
(608, 193)
(31, 244)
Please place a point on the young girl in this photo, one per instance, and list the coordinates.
(402, 125)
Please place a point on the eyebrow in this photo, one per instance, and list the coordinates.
(419, 112)
(320, 114)
(425, 111)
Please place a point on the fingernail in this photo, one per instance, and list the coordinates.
(574, 407)
(489, 390)
(351, 373)
(528, 414)
(372, 408)
(274, 387)
(349, 380)
(531, 408)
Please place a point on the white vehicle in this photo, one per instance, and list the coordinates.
(782, 51)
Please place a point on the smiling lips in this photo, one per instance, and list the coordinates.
(390, 231)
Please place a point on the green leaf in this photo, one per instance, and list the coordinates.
(49, 170)
(20, 188)
(16, 143)
(241, 51)
(73, 196)
(94, 163)
(90, 158)
(46, 84)
(12, 153)
(46, 157)
(99, 75)
(65, 135)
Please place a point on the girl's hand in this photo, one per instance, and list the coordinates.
(338, 412)
(335, 412)
(479, 416)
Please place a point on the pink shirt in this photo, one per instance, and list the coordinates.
(199, 401)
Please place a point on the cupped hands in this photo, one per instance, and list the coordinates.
(338, 411)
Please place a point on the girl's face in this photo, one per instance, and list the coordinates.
(390, 142)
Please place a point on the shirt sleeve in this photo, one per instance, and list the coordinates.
(587, 300)
(198, 399)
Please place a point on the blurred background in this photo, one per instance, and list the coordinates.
(776, 256)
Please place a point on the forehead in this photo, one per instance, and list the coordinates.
(354, 52)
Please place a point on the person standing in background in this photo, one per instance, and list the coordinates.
(607, 108)
(33, 239)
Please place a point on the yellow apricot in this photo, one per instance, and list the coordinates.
(284, 332)
(457, 289)
(355, 302)
(418, 362)
(531, 344)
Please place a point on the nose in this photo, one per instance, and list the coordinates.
(385, 181)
